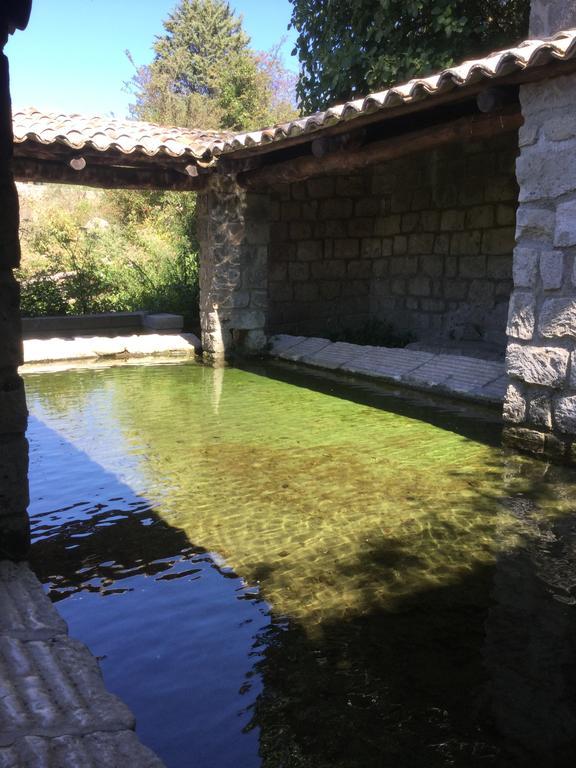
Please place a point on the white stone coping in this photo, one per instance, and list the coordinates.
(103, 347)
(468, 378)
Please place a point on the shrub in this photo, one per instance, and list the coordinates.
(97, 252)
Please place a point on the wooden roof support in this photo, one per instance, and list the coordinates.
(480, 126)
(106, 177)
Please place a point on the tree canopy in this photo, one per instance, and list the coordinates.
(348, 48)
(205, 75)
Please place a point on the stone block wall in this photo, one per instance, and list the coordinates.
(14, 532)
(233, 230)
(424, 242)
(540, 407)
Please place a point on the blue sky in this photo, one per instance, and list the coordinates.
(71, 58)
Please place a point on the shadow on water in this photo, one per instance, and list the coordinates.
(480, 671)
(478, 422)
(172, 626)
(443, 658)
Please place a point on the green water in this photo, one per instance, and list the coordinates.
(418, 580)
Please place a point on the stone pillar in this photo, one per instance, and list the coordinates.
(550, 16)
(14, 529)
(233, 229)
(540, 405)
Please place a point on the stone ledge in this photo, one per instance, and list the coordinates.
(55, 711)
(54, 687)
(458, 376)
(94, 750)
(25, 612)
(101, 347)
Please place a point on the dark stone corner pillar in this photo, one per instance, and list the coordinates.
(14, 527)
(234, 232)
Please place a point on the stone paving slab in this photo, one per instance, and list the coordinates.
(94, 750)
(54, 708)
(394, 364)
(305, 349)
(94, 347)
(25, 612)
(466, 377)
(282, 343)
(332, 356)
(50, 687)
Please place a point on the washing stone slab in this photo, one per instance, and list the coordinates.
(55, 711)
(283, 342)
(470, 378)
(53, 687)
(305, 348)
(332, 356)
(94, 750)
(25, 611)
(392, 364)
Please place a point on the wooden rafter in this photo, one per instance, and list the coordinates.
(480, 126)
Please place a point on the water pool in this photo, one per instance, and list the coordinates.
(282, 570)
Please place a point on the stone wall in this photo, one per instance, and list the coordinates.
(13, 414)
(233, 229)
(540, 406)
(424, 242)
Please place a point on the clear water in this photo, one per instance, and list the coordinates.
(283, 570)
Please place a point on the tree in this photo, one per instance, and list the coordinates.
(204, 74)
(349, 48)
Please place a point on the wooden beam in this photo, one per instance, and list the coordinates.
(496, 98)
(458, 94)
(465, 129)
(57, 152)
(105, 177)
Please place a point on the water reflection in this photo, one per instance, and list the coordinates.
(421, 580)
(172, 626)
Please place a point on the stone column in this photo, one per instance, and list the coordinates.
(14, 529)
(550, 16)
(234, 230)
(540, 405)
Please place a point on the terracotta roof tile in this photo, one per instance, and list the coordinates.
(105, 133)
(527, 55)
(133, 138)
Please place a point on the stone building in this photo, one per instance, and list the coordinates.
(445, 206)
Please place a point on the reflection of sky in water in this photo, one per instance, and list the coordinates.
(176, 630)
(405, 553)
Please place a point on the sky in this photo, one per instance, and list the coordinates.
(71, 57)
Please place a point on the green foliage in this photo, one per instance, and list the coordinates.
(349, 48)
(143, 255)
(204, 74)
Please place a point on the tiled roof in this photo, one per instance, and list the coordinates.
(105, 133)
(527, 55)
(133, 138)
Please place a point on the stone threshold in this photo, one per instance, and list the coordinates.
(55, 711)
(109, 348)
(466, 378)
